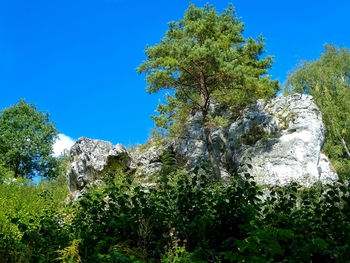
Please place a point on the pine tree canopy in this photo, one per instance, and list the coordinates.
(204, 58)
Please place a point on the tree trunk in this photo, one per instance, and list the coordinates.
(208, 141)
(212, 157)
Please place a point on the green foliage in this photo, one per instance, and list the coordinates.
(205, 57)
(172, 222)
(328, 81)
(180, 255)
(298, 225)
(70, 254)
(26, 139)
(209, 44)
(155, 140)
(5, 173)
(29, 221)
(186, 217)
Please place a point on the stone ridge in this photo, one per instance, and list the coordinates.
(278, 142)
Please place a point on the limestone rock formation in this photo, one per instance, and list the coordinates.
(91, 158)
(149, 162)
(281, 139)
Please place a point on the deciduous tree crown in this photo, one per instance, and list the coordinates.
(26, 138)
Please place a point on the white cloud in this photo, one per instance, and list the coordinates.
(62, 143)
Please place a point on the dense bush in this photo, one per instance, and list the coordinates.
(183, 218)
(182, 213)
(29, 229)
(299, 225)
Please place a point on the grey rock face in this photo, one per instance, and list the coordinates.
(293, 152)
(90, 158)
(325, 169)
(149, 162)
(282, 140)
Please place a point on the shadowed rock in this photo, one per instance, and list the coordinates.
(90, 159)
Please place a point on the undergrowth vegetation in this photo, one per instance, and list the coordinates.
(185, 217)
(29, 220)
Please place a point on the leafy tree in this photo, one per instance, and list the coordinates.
(204, 59)
(5, 173)
(26, 138)
(328, 81)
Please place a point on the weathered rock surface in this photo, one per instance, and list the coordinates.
(91, 158)
(282, 139)
(150, 161)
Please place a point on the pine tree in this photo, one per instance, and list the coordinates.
(204, 58)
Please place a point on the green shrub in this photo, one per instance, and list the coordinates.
(29, 221)
(185, 217)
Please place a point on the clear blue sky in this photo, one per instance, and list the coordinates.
(77, 59)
